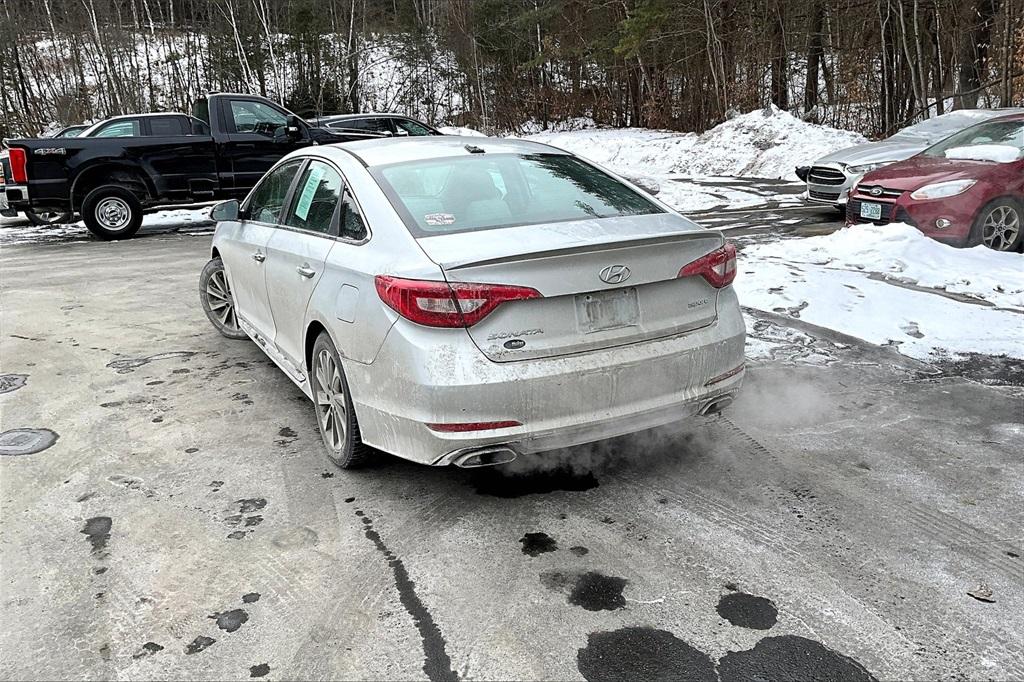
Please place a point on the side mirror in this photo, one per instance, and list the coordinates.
(225, 211)
(294, 129)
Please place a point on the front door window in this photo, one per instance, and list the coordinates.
(267, 200)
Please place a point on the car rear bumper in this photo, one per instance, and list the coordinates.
(436, 376)
(12, 197)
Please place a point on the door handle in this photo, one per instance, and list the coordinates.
(305, 271)
(259, 257)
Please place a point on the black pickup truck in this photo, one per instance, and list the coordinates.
(112, 181)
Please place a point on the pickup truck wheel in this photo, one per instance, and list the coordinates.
(45, 219)
(112, 212)
(218, 303)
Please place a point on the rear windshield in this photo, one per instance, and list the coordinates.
(488, 191)
(1002, 140)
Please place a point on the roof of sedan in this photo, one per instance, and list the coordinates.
(379, 152)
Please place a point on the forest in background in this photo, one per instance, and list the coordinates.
(868, 65)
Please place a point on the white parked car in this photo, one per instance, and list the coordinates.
(464, 300)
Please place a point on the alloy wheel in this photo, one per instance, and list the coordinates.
(1001, 228)
(331, 404)
(218, 293)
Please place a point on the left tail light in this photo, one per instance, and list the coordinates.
(19, 165)
(443, 304)
(718, 268)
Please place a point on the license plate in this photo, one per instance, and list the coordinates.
(603, 310)
(871, 211)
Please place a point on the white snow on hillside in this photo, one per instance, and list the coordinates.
(762, 143)
(886, 285)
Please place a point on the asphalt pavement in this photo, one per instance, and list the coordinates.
(168, 513)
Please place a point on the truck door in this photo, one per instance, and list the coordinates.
(255, 140)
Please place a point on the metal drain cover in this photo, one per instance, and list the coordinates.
(26, 441)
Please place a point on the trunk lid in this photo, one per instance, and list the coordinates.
(603, 283)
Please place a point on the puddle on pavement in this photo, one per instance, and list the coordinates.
(535, 544)
(748, 611)
(230, 621)
(791, 658)
(97, 532)
(642, 653)
(19, 442)
(592, 591)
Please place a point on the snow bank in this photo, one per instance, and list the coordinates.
(891, 285)
(762, 143)
(998, 153)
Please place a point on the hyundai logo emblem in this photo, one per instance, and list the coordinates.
(876, 191)
(614, 274)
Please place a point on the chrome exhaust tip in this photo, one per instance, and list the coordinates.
(485, 457)
(716, 405)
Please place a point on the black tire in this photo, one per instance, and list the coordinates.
(1007, 212)
(47, 219)
(346, 449)
(112, 212)
(218, 302)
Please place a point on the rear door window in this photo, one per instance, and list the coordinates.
(166, 126)
(373, 125)
(413, 128)
(267, 200)
(126, 128)
(316, 199)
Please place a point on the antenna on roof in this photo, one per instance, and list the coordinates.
(473, 149)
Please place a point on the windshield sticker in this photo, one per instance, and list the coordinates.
(439, 219)
(306, 198)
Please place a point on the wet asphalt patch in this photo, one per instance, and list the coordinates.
(19, 442)
(790, 658)
(642, 653)
(97, 532)
(535, 544)
(250, 598)
(128, 365)
(12, 382)
(260, 670)
(230, 621)
(748, 611)
(148, 649)
(436, 664)
(495, 483)
(592, 591)
(199, 644)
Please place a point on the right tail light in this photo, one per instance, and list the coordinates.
(717, 267)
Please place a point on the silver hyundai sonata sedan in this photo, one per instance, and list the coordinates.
(465, 300)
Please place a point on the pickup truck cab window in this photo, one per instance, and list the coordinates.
(315, 200)
(256, 117)
(124, 128)
(268, 199)
(167, 126)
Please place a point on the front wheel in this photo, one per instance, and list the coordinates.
(112, 212)
(999, 226)
(334, 412)
(46, 219)
(218, 303)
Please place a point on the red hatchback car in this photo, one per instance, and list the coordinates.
(966, 190)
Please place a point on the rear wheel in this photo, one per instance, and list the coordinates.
(334, 413)
(112, 212)
(48, 218)
(999, 226)
(218, 303)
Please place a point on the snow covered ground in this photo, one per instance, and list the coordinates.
(892, 285)
(762, 144)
